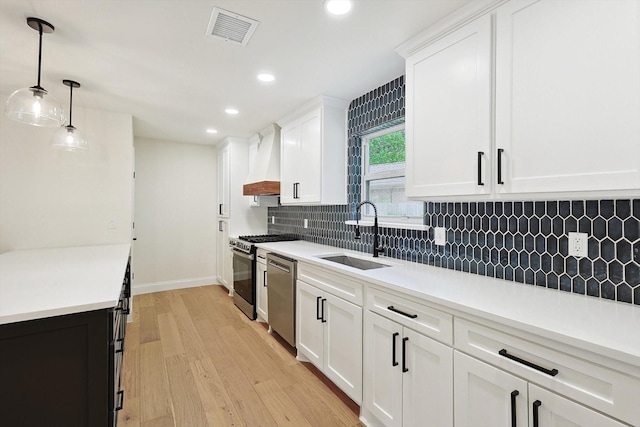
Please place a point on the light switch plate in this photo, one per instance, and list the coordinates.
(578, 244)
(440, 236)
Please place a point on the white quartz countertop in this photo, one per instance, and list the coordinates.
(38, 283)
(594, 324)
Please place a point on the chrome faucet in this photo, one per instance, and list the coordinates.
(376, 248)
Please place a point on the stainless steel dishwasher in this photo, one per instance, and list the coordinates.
(281, 279)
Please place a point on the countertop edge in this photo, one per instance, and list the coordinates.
(598, 343)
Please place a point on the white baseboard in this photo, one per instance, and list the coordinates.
(147, 288)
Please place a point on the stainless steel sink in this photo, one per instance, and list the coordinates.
(359, 263)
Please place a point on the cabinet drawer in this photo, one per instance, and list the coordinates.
(591, 384)
(335, 283)
(421, 318)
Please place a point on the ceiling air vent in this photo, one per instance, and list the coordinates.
(231, 27)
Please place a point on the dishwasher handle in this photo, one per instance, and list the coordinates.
(279, 266)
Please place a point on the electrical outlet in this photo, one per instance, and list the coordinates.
(112, 224)
(578, 244)
(273, 219)
(306, 223)
(440, 236)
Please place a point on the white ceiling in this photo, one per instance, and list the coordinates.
(152, 58)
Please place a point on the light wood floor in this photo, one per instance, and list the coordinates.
(193, 359)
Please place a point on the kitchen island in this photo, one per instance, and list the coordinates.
(62, 326)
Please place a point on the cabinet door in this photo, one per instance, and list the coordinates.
(309, 326)
(262, 301)
(448, 120)
(382, 386)
(343, 345)
(552, 410)
(428, 382)
(568, 95)
(222, 264)
(289, 162)
(484, 394)
(310, 172)
(223, 182)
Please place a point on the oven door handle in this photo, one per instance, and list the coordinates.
(242, 254)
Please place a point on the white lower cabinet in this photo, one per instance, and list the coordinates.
(486, 396)
(408, 376)
(548, 409)
(329, 335)
(224, 263)
(262, 302)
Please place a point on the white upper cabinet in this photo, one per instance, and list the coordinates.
(568, 95)
(313, 154)
(534, 98)
(448, 114)
(223, 182)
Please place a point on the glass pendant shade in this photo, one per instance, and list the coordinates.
(68, 138)
(33, 105)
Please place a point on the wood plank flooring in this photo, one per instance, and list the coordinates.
(193, 359)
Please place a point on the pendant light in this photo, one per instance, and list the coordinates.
(32, 105)
(67, 137)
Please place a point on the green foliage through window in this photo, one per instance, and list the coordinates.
(387, 148)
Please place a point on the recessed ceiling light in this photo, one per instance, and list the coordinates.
(337, 7)
(266, 77)
(210, 130)
(231, 111)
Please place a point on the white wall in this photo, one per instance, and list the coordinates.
(55, 198)
(175, 215)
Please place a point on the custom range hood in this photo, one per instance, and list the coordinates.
(264, 170)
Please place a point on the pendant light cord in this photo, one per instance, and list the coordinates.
(39, 54)
(70, 104)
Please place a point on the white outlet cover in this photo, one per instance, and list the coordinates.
(440, 236)
(306, 223)
(578, 244)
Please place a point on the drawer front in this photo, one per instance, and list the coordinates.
(591, 384)
(335, 283)
(421, 318)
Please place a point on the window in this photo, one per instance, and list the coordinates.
(383, 178)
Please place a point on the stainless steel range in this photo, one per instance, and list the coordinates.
(244, 269)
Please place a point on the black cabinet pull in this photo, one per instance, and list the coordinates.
(394, 362)
(220, 209)
(395, 310)
(514, 394)
(552, 372)
(536, 405)
(404, 354)
(264, 279)
(120, 400)
(500, 151)
(121, 349)
(480, 154)
(323, 319)
(318, 316)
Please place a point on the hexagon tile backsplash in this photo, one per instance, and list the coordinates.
(521, 241)
(518, 241)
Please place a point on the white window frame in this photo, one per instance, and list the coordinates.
(366, 212)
